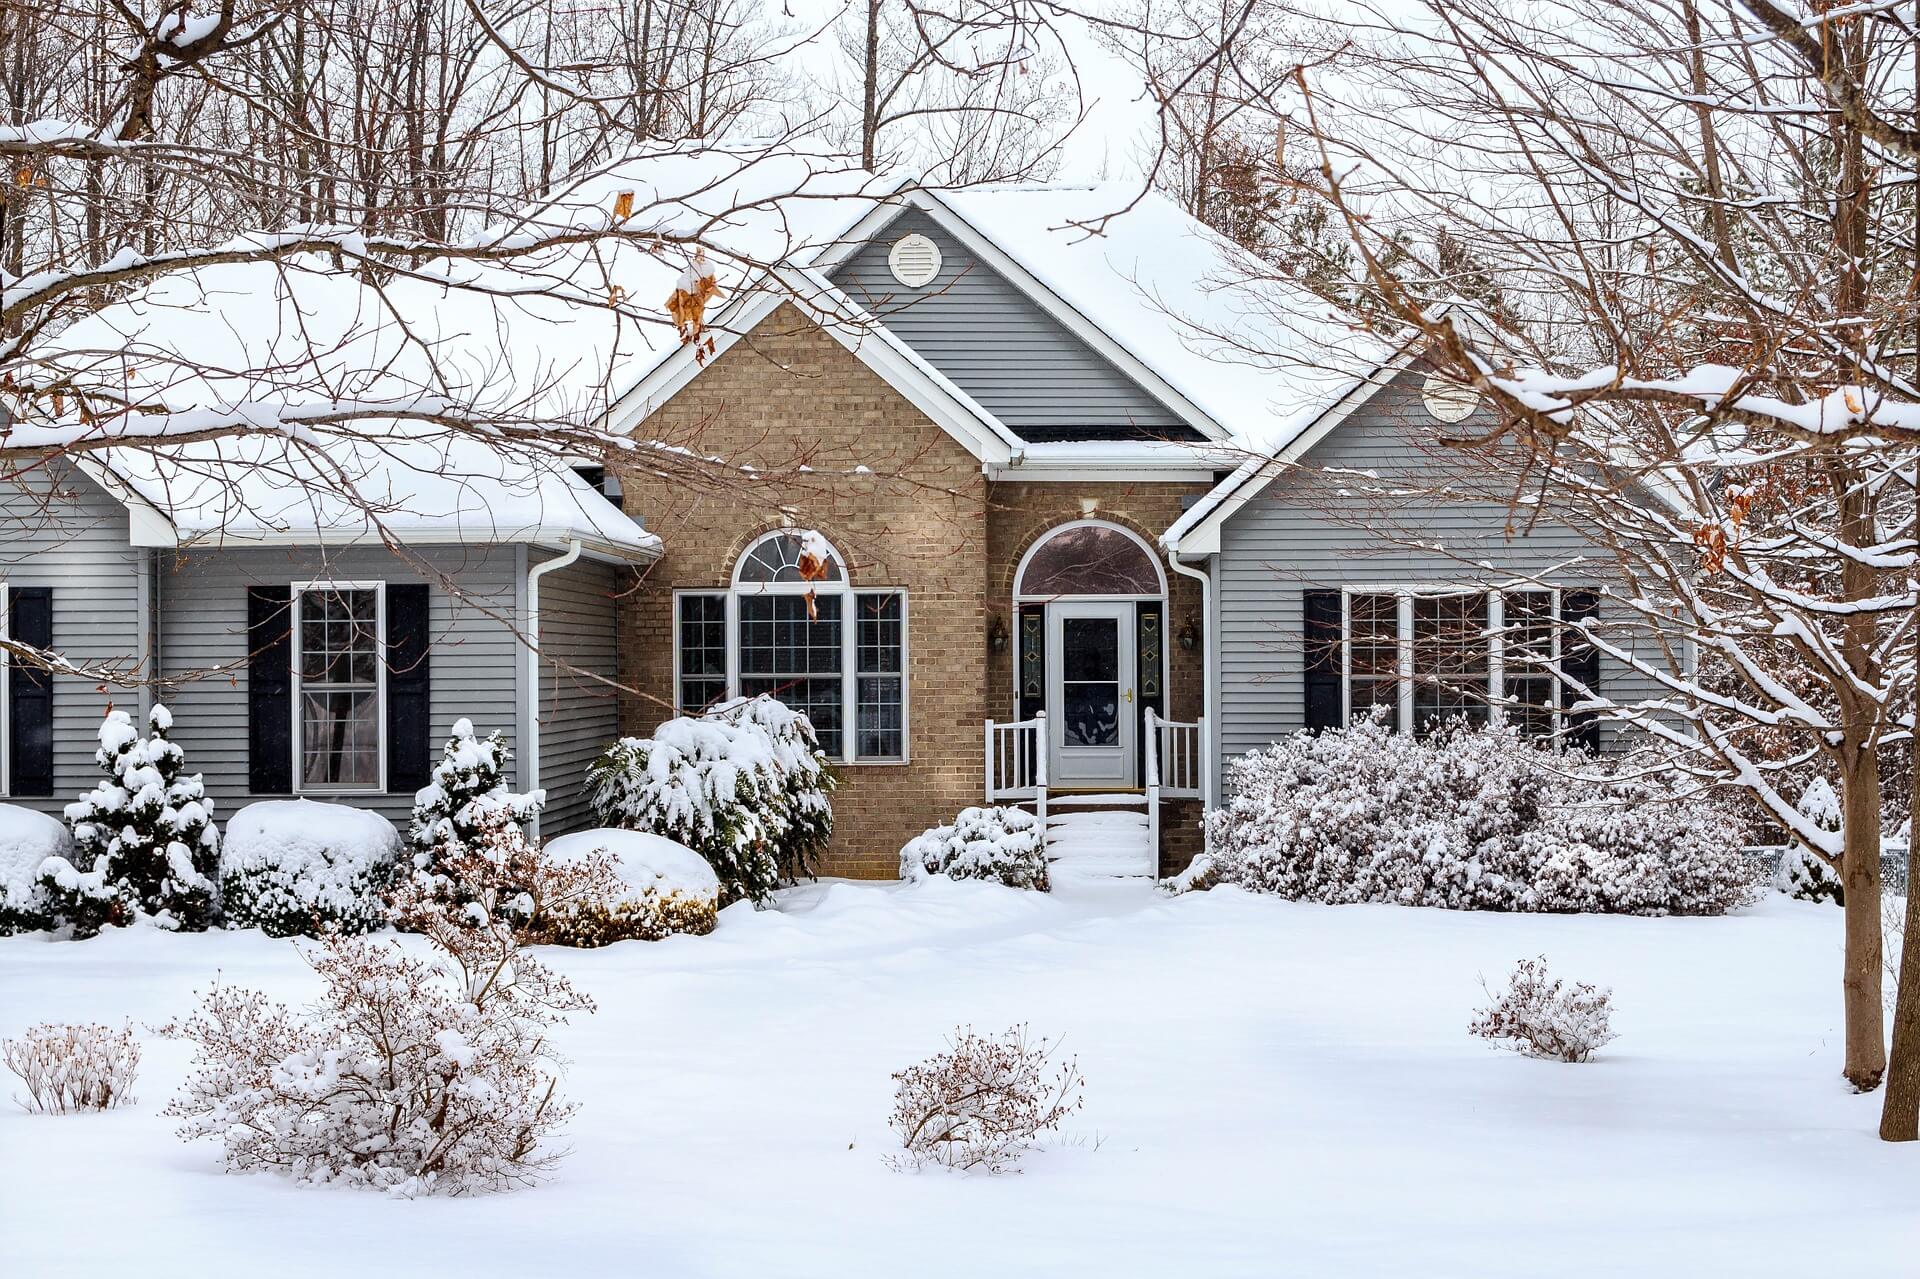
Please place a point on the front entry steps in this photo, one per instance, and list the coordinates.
(1099, 843)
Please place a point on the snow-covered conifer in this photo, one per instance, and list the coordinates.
(1805, 874)
(144, 842)
(468, 783)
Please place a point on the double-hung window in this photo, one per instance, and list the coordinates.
(792, 627)
(1429, 655)
(339, 686)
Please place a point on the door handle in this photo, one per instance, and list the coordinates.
(1129, 696)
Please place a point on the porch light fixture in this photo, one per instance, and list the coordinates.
(997, 634)
(1189, 635)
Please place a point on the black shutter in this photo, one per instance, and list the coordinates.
(1320, 614)
(1581, 661)
(30, 694)
(269, 691)
(409, 690)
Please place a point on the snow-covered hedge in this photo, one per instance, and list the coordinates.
(669, 889)
(145, 846)
(294, 866)
(1470, 818)
(27, 840)
(1001, 844)
(746, 786)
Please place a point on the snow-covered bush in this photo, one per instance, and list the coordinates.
(1001, 844)
(469, 782)
(413, 1074)
(293, 866)
(1200, 875)
(27, 840)
(981, 1103)
(666, 888)
(144, 842)
(1803, 873)
(1541, 1016)
(1471, 818)
(72, 1068)
(746, 786)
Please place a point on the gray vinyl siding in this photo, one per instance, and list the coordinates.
(579, 714)
(1305, 533)
(203, 642)
(998, 345)
(60, 530)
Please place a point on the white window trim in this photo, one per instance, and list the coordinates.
(1403, 646)
(6, 695)
(298, 735)
(736, 590)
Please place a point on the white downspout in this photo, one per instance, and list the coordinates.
(530, 749)
(1209, 677)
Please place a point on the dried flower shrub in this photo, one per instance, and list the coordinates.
(981, 1104)
(73, 1068)
(1541, 1016)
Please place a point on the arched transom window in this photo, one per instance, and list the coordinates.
(1089, 557)
(792, 625)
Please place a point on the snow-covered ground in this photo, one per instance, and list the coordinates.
(1271, 1089)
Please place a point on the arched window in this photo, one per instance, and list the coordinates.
(1089, 557)
(791, 626)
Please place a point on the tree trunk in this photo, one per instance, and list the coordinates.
(1900, 1109)
(870, 103)
(1866, 1043)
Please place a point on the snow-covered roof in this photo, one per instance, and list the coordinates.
(1259, 357)
(418, 486)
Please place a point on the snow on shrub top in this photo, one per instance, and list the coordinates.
(1000, 844)
(745, 785)
(27, 839)
(296, 857)
(1471, 818)
(646, 862)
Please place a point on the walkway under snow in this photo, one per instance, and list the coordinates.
(1272, 1089)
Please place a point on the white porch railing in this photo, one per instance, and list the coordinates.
(1176, 765)
(1017, 763)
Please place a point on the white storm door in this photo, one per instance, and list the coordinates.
(1090, 694)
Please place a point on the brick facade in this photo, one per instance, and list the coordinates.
(925, 519)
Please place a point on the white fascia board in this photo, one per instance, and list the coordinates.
(1197, 532)
(1069, 316)
(553, 538)
(147, 524)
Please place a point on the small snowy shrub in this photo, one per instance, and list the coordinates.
(1200, 875)
(745, 785)
(293, 866)
(981, 1103)
(664, 888)
(1001, 844)
(412, 1074)
(1803, 873)
(144, 843)
(73, 1068)
(27, 840)
(1470, 818)
(469, 782)
(1541, 1016)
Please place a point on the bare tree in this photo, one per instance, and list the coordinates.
(1686, 230)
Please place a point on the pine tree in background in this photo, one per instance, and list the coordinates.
(144, 839)
(468, 783)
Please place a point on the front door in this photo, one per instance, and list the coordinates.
(1090, 692)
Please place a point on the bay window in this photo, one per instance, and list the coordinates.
(798, 632)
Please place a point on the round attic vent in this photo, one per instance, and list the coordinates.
(914, 260)
(1449, 401)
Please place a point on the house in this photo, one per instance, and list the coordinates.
(1056, 468)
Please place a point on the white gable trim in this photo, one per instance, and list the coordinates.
(1070, 317)
(1197, 532)
(147, 524)
(858, 332)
